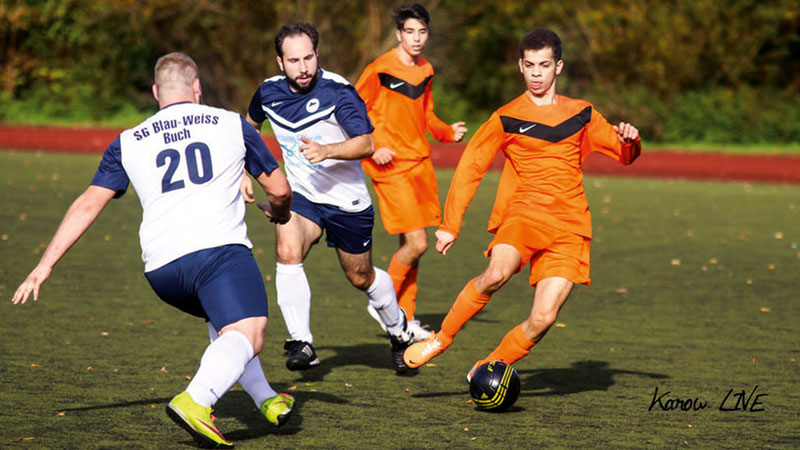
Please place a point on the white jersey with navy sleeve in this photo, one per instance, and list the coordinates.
(185, 163)
(329, 113)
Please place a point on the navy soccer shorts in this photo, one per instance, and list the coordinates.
(220, 284)
(350, 232)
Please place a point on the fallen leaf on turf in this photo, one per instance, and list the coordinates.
(312, 390)
(62, 413)
(164, 369)
(675, 262)
(187, 377)
(753, 360)
(25, 439)
(152, 406)
(115, 370)
(407, 390)
(770, 266)
(293, 388)
(348, 385)
(23, 217)
(107, 237)
(104, 333)
(704, 268)
(35, 365)
(431, 365)
(621, 291)
(466, 429)
(713, 260)
(128, 324)
(149, 321)
(778, 235)
(90, 368)
(748, 281)
(561, 325)
(690, 425)
(764, 309)
(4, 237)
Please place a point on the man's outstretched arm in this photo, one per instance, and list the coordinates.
(83, 212)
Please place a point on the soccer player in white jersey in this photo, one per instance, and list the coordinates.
(323, 129)
(186, 164)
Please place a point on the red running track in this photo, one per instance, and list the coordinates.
(661, 164)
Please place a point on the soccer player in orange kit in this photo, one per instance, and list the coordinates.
(541, 213)
(397, 90)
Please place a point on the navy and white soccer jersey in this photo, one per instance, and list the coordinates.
(329, 113)
(185, 163)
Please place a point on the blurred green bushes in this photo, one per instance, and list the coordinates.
(705, 71)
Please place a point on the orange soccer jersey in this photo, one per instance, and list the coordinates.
(542, 181)
(399, 102)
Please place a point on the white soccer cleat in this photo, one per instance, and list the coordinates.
(374, 313)
(419, 333)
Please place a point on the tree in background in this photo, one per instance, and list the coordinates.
(87, 60)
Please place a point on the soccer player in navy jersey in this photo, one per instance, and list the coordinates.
(324, 131)
(186, 164)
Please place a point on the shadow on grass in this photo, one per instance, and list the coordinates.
(237, 404)
(581, 376)
(375, 356)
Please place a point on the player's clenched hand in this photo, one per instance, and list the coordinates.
(460, 130)
(313, 151)
(444, 241)
(383, 156)
(247, 189)
(267, 210)
(626, 132)
(31, 285)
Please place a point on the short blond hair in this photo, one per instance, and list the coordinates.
(175, 71)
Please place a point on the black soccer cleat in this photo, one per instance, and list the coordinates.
(301, 355)
(399, 345)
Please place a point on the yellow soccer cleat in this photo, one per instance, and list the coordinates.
(197, 420)
(277, 409)
(421, 352)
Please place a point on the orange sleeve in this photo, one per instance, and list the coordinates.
(601, 137)
(368, 86)
(472, 166)
(440, 131)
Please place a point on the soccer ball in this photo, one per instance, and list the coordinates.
(494, 386)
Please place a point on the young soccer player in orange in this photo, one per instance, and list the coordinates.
(397, 90)
(541, 214)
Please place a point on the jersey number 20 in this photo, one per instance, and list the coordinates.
(192, 165)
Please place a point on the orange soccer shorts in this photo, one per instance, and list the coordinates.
(551, 252)
(409, 199)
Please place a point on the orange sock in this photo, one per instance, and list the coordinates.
(407, 297)
(512, 348)
(404, 278)
(398, 271)
(467, 304)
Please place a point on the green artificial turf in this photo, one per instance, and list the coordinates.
(694, 293)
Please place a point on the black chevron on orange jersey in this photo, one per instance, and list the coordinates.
(402, 86)
(545, 132)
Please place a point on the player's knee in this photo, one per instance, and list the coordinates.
(542, 320)
(418, 247)
(287, 254)
(360, 279)
(494, 278)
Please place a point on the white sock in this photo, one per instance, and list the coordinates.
(294, 299)
(221, 366)
(382, 297)
(253, 380)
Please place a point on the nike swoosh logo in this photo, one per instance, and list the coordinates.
(396, 85)
(366, 243)
(274, 104)
(524, 129)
